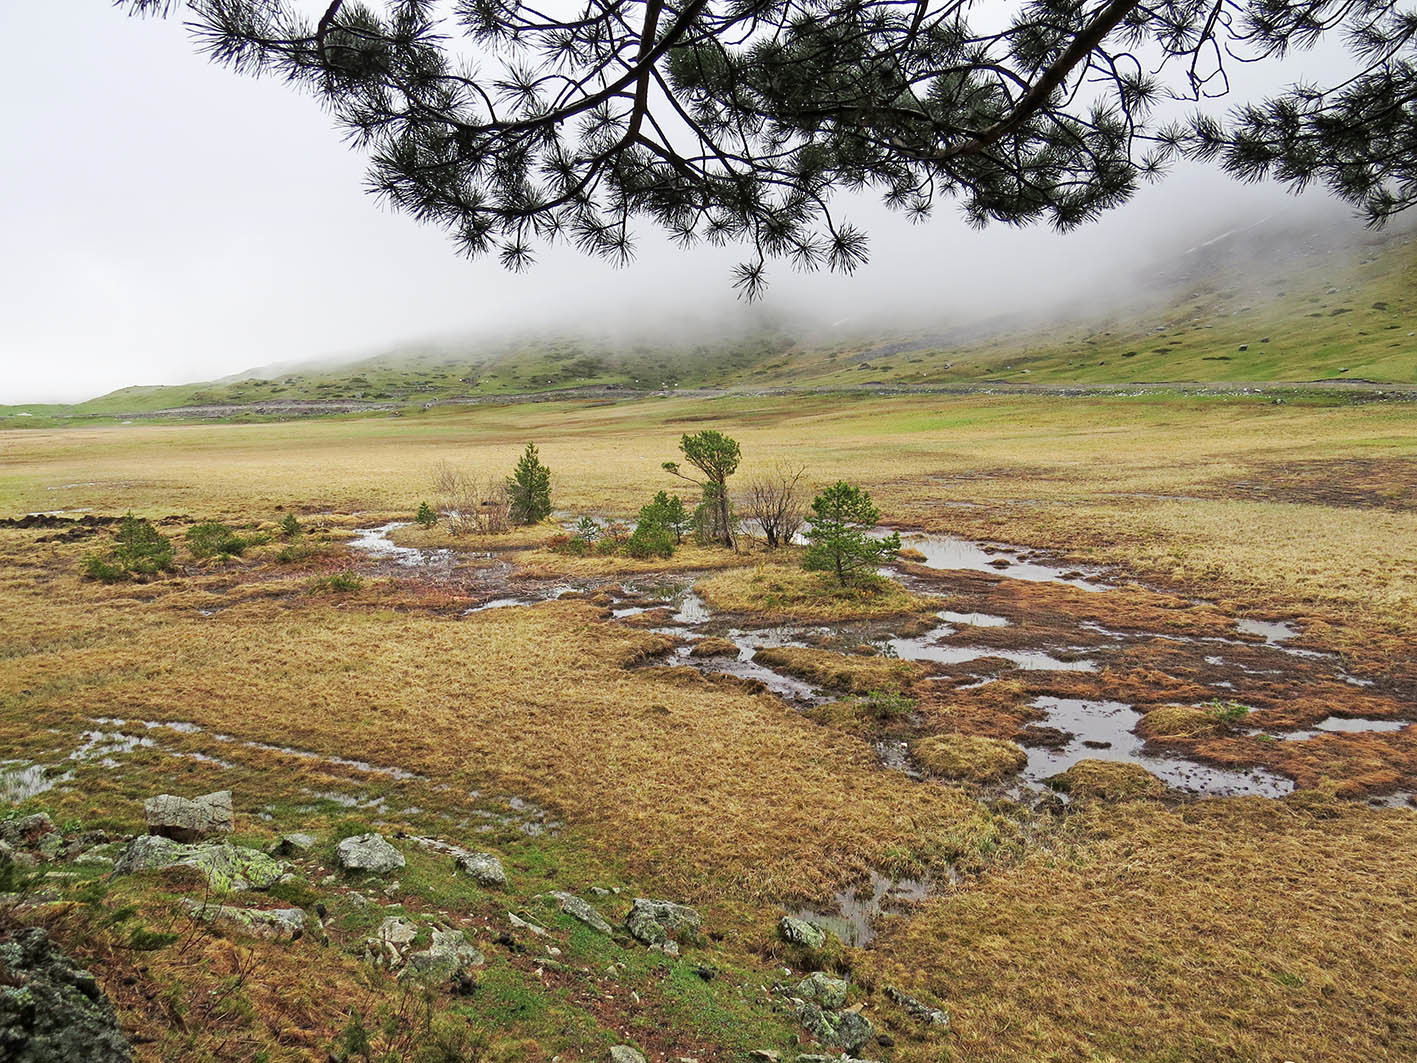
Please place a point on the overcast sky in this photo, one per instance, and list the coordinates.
(165, 221)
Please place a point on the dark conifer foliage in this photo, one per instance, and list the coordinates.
(512, 124)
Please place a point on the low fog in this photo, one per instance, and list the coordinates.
(167, 221)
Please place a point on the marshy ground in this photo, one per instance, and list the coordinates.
(1091, 579)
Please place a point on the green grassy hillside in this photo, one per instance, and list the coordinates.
(1272, 306)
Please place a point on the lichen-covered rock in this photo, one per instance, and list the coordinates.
(227, 868)
(386, 948)
(581, 910)
(274, 924)
(50, 1010)
(186, 820)
(848, 1030)
(626, 1054)
(823, 989)
(653, 922)
(799, 932)
(369, 853)
(483, 868)
(26, 830)
(448, 954)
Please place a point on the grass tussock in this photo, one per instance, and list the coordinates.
(852, 673)
(1108, 780)
(1180, 721)
(781, 590)
(968, 758)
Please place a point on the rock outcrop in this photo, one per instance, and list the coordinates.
(227, 868)
(52, 1011)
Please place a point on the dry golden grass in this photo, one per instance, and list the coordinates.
(968, 758)
(1228, 930)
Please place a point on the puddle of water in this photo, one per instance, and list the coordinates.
(1029, 660)
(102, 745)
(949, 552)
(20, 781)
(855, 910)
(1342, 725)
(693, 611)
(498, 603)
(784, 686)
(973, 619)
(1272, 631)
(1108, 727)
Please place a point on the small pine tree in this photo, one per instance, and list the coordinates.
(427, 516)
(290, 526)
(529, 488)
(668, 512)
(843, 515)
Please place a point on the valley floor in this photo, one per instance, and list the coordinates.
(1171, 558)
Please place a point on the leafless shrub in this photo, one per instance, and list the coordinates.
(775, 505)
(471, 504)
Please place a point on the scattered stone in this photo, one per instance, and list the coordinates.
(227, 868)
(368, 853)
(390, 941)
(521, 924)
(291, 845)
(796, 931)
(626, 1054)
(653, 922)
(847, 1029)
(275, 924)
(50, 845)
(765, 1055)
(579, 909)
(918, 1009)
(448, 955)
(186, 820)
(52, 1011)
(484, 869)
(825, 990)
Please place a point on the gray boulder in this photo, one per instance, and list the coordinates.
(483, 868)
(626, 1054)
(227, 868)
(369, 853)
(188, 821)
(581, 910)
(653, 922)
(823, 989)
(848, 1030)
(274, 924)
(448, 954)
(796, 931)
(52, 1011)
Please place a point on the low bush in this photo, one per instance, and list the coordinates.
(290, 526)
(338, 582)
(139, 549)
(214, 539)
